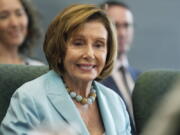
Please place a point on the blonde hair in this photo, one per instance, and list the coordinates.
(62, 28)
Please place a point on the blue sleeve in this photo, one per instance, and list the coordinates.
(21, 115)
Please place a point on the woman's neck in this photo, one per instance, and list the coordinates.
(80, 87)
(10, 55)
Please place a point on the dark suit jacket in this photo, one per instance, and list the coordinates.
(109, 82)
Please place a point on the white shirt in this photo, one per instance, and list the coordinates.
(118, 78)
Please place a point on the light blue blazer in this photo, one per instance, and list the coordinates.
(45, 101)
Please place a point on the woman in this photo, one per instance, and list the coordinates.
(80, 47)
(19, 31)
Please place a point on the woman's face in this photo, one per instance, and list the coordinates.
(86, 52)
(13, 23)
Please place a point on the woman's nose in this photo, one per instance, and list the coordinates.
(13, 20)
(89, 52)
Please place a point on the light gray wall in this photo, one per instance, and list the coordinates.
(157, 30)
(157, 36)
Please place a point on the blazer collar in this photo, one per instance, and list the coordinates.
(60, 99)
(105, 111)
(62, 102)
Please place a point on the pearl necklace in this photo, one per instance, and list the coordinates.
(83, 100)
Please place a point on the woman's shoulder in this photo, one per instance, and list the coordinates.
(110, 95)
(36, 90)
(37, 85)
(106, 90)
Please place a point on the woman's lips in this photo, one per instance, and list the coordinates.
(86, 66)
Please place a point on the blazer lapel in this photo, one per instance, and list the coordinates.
(105, 113)
(60, 99)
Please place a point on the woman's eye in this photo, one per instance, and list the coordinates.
(3, 16)
(78, 43)
(100, 45)
(20, 12)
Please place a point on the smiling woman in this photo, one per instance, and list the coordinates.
(86, 52)
(18, 31)
(80, 47)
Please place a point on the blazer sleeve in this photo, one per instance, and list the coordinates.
(21, 116)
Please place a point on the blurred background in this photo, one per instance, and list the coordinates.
(157, 30)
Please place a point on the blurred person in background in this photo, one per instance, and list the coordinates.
(81, 48)
(123, 76)
(19, 31)
(166, 118)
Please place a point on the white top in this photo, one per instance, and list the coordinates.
(118, 78)
(29, 61)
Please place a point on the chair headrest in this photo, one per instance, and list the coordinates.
(149, 89)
